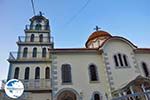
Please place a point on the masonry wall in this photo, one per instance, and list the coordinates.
(80, 74)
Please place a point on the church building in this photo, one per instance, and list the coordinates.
(107, 68)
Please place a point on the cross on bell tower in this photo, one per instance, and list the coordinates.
(97, 28)
(40, 13)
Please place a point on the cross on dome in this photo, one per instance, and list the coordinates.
(97, 28)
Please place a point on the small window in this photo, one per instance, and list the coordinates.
(32, 38)
(34, 53)
(16, 75)
(37, 73)
(93, 73)
(66, 73)
(120, 59)
(47, 26)
(116, 60)
(47, 73)
(145, 69)
(96, 97)
(44, 52)
(25, 52)
(125, 60)
(41, 38)
(38, 27)
(27, 73)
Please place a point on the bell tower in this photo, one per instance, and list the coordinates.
(38, 30)
(31, 63)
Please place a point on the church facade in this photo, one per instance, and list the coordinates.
(108, 68)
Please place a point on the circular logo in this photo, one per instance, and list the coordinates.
(14, 88)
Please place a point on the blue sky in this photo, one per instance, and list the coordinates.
(71, 26)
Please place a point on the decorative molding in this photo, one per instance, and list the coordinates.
(67, 89)
(108, 71)
(54, 62)
(111, 83)
(55, 89)
(55, 72)
(108, 67)
(111, 78)
(97, 92)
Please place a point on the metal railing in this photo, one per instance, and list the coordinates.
(37, 84)
(28, 56)
(25, 96)
(2, 84)
(37, 27)
(135, 96)
(29, 85)
(36, 39)
(34, 84)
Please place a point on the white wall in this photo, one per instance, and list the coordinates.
(30, 51)
(36, 37)
(41, 96)
(143, 57)
(80, 76)
(32, 69)
(120, 76)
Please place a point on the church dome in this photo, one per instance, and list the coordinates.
(38, 17)
(97, 34)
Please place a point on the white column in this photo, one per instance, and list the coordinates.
(131, 89)
(120, 94)
(132, 92)
(125, 94)
(81, 95)
(143, 88)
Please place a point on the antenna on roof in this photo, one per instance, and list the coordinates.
(33, 7)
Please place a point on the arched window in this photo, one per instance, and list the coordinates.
(44, 52)
(32, 38)
(38, 27)
(27, 73)
(125, 60)
(93, 73)
(34, 53)
(120, 59)
(145, 69)
(25, 52)
(47, 73)
(116, 60)
(37, 73)
(66, 73)
(96, 96)
(16, 75)
(41, 38)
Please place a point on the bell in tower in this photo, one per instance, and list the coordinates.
(38, 23)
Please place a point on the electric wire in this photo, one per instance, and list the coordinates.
(78, 12)
(33, 8)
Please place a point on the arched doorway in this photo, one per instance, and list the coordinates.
(67, 95)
